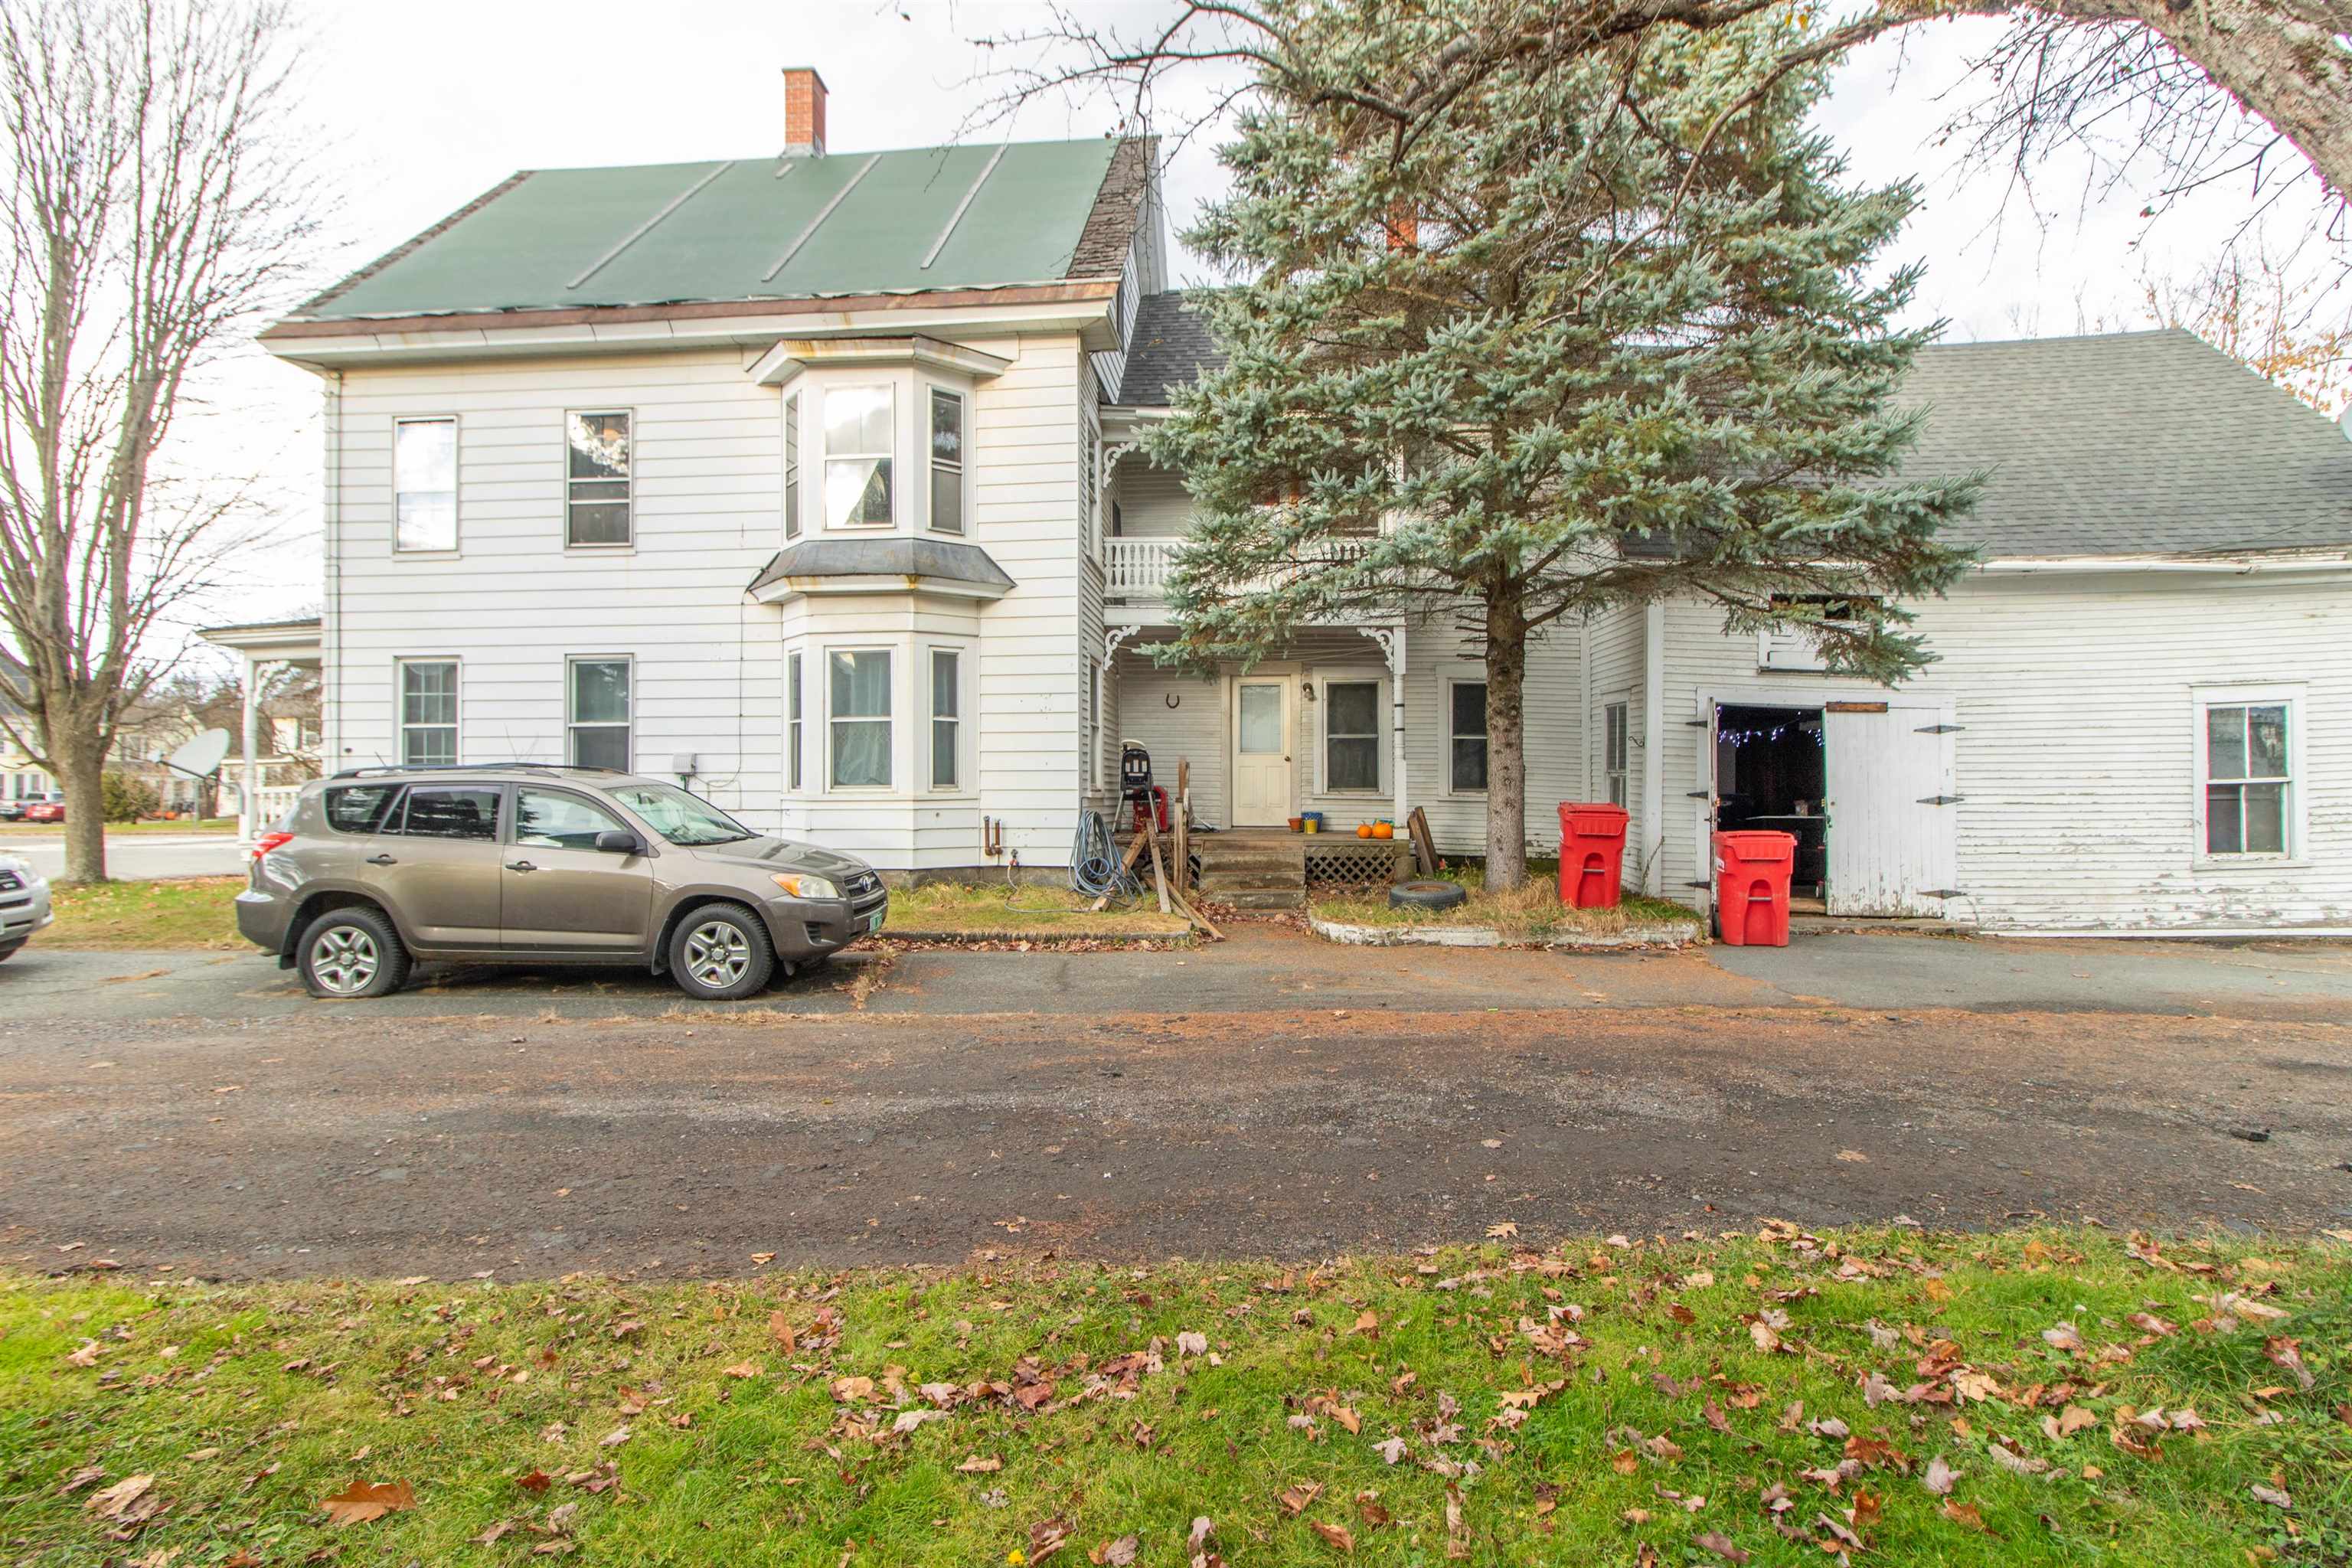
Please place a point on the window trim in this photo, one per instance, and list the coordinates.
(456, 488)
(401, 722)
(796, 720)
(2290, 694)
(889, 720)
(574, 725)
(1446, 761)
(795, 489)
(933, 718)
(933, 465)
(891, 385)
(629, 500)
(1324, 681)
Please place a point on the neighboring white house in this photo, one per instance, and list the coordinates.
(810, 479)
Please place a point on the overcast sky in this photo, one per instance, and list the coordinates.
(434, 102)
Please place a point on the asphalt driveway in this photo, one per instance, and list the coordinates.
(1273, 1096)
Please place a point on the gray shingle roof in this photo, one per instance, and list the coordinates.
(896, 556)
(2124, 444)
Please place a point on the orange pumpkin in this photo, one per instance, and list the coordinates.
(1384, 830)
(1363, 830)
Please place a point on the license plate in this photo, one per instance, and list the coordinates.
(874, 921)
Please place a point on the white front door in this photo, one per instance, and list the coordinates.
(1892, 834)
(1262, 771)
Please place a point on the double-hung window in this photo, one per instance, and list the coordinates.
(428, 713)
(599, 716)
(599, 503)
(1465, 709)
(794, 715)
(793, 466)
(858, 715)
(947, 717)
(1351, 735)
(2249, 775)
(947, 460)
(1614, 751)
(424, 483)
(859, 435)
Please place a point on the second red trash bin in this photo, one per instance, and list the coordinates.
(1591, 854)
(1752, 888)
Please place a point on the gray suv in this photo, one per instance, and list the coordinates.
(529, 863)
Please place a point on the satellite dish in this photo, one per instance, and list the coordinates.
(199, 756)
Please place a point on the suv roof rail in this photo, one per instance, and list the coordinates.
(474, 768)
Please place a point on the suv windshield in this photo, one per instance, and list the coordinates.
(679, 817)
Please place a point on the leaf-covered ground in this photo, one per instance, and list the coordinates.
(1039, 907)
(1892, 1398)
(147, 916)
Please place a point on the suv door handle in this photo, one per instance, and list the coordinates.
(382, 860)
(520, 866)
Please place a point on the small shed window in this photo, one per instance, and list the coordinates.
(2249, 778)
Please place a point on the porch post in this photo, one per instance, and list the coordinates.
(248, 820)
(1395, 649)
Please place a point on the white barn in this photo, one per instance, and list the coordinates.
(810, 479)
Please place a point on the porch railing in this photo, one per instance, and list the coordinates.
(1140, 568)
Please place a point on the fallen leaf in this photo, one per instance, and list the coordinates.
(1367, 1322)
(1335, 1534)
(780, 1329)
(1457, 1525)
(1392, 1449)
(1294, 1500)
(1190, 1343)
(1938, 1476)
(362, 1501)
(2074, 1419)
(536, 1481)
(1714, 1541)
(849, 1389)
(121, 1500)
(616, 1437)
(1502, 1230)
(745, 1369)
(1116, 1553)
(1965, 1513)
(976, 1465)
(2272, 1496)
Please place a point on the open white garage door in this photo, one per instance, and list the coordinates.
(1893, 838)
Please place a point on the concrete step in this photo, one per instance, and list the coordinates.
(1273, 860)
(1216, 880)
(1261, 898)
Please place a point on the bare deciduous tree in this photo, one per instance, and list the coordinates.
(2286, 325)
(159, 201)
(2202, 91)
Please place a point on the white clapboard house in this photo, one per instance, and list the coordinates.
(810, 478)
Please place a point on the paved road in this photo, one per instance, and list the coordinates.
(1270, 1096)
(140, 855)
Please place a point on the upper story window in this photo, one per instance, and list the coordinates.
(860, 433)
(2249, 775)
(947, 460)
(599, 501)
(793, 466)
(424, 483)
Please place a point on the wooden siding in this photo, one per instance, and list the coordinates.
(2076, 760)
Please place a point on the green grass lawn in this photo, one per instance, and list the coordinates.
(1530, 912)
(115, 829)
(2044, 1397)
(179, 913)
(1042, 907)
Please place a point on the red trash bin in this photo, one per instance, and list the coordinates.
(1591, 854)
(1752, 888)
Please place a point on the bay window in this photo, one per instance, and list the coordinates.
(793, 466)
(858, 717)
(860, 434)
(947, 460)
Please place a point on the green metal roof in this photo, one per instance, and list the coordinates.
(755, 228)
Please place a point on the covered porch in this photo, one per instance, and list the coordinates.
(264, 648)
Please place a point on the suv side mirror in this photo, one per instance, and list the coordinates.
(615, 841)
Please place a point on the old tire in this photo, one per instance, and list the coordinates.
(351, 954)
(720, 953)
(1431, 894)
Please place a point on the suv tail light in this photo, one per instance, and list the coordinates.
(263, 843)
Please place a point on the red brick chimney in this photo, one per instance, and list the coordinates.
(803, 112)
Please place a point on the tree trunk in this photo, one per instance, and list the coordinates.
(1507, 759)
(81, 769)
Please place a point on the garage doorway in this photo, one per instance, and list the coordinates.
(1863, 782)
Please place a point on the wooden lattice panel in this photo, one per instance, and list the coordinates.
(1356, 865)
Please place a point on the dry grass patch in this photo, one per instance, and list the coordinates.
(181, 913)
(1529, 912)
(1034, 909)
